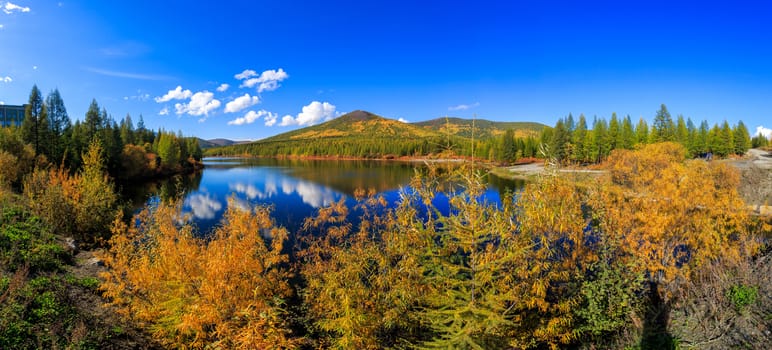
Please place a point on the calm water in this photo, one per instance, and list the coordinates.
(295, 188)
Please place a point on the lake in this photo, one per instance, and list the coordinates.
(294, 188)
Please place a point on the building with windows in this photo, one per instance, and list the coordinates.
(11, 115)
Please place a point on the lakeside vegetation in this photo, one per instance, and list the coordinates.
(659, 252)
(58, 194)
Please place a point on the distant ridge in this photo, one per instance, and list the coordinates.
(482, 128)
(218, 143)
(362, 134)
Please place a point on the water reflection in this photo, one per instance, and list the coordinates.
(295, 189)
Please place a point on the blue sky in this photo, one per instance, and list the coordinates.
(289, 63)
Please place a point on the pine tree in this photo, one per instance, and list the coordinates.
(93, 122)
(614, 132)
(702, 144)
(508, 150)
(59, 124)
(127, 130)
(35, 125)
(578, 139)
(628, 133)
(663, 128)
(642, 131)
(570, 124)
(681, 131)
(560, 139)
(691, 139)
(742, 139)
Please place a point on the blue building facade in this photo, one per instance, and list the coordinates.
(11, 115)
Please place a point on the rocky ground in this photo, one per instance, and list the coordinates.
(756, 182)
(104, 323)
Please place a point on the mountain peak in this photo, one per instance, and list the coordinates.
(358, 115)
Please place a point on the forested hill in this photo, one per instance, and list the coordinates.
(483, 129)
(360, 124)
(366, 135)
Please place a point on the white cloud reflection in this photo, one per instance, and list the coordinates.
(203, 206)
(309, 192)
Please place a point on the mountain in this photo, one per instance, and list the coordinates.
(362, 134)
(483, 129)
(359, 124)
(217, 143)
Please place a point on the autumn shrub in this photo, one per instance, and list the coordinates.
(16, 157)
(226, 291)
(80, 205)
(415, 276)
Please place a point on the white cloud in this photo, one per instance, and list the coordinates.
(268, 80)
(2, 103)
(2, 26)
(252, 116)
(270, 120)
(201, 103)
(463, 107)
(10, 7)
(164, 111)
(240, 103)
(6, 79)
(312, 114)
(764, 131)
(223, 87)
(247, 73)
(176, 94)
(403, 120)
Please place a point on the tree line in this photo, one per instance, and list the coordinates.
(129, 151)
(573, 141)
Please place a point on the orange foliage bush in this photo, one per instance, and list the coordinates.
(671, 215)
(223, 292)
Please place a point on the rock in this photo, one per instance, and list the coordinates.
(94, 262)
(71, 246)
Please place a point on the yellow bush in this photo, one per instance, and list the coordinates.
(224, 292)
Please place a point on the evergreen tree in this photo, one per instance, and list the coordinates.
(570, 124)
(578, 139)
(642, 131)
(742, 139)
(35, 125)
(681, 131)
(93, 122)
(600, 141)
(720, 140)
(127, 130)
(560, 140)
(508, 150)
(663, 128)
(691, 139)
(759, 141)
(59, 124)
(703, 138)
(628, 133)
(614, 133)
